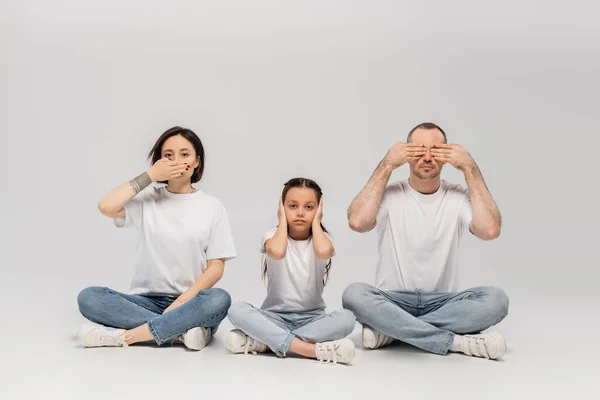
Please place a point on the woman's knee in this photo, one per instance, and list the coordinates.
(87, 300)
(217, 299)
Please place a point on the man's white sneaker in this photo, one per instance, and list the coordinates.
(371, 339)
(337, 351)
(196, 338)
(97, 336)
(238, 342)
(486, 345)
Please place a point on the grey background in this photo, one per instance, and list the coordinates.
(281, 89)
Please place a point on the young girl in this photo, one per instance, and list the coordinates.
(297, 260)
(184, 241)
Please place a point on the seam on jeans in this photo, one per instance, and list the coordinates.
(157, 338)
(470, 293)
(446, 347)
(296, 326)
(283, 349)
(110, 291)
(391, 300)
(384, 294)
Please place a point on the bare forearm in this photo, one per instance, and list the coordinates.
(208, 279)
(114, 201)
(321, 243)
(486, 220)
(363, 210)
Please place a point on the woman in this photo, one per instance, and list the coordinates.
(184, 242)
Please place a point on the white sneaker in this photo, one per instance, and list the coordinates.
(238, 342)
(337, 351)
(196, 338)
(486, 345)
(98, 336)
(371, 339)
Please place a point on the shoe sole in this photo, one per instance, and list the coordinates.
(369, 340)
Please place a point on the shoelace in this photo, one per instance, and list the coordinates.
(250, 345)
(476, 346)
(112, 338)
(327, 353)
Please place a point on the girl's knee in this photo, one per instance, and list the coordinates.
(237, 311)
(348, 321)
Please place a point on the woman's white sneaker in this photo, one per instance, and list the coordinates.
(196, 338)
(98, 336)
(238, 342)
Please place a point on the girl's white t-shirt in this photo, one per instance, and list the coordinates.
(294, 283)
(178, 234)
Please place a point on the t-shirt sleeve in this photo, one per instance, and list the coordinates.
(268, 235)
(133, 212)
(221, 244)
(465, 214)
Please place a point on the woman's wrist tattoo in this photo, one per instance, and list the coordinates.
(140, 182)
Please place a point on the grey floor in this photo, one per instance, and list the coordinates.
(550, 355)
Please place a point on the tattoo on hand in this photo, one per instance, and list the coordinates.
(140, 182)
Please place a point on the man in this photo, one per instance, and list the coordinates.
(420, 222)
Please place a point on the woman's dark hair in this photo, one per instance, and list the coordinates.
(155, 153)
(302, 183)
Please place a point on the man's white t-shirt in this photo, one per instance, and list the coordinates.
(418, 237)
(178, 234)
(294, 283)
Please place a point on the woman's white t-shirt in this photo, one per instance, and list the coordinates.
(294, 283)
(178, 234)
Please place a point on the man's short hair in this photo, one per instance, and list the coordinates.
(426, 125)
